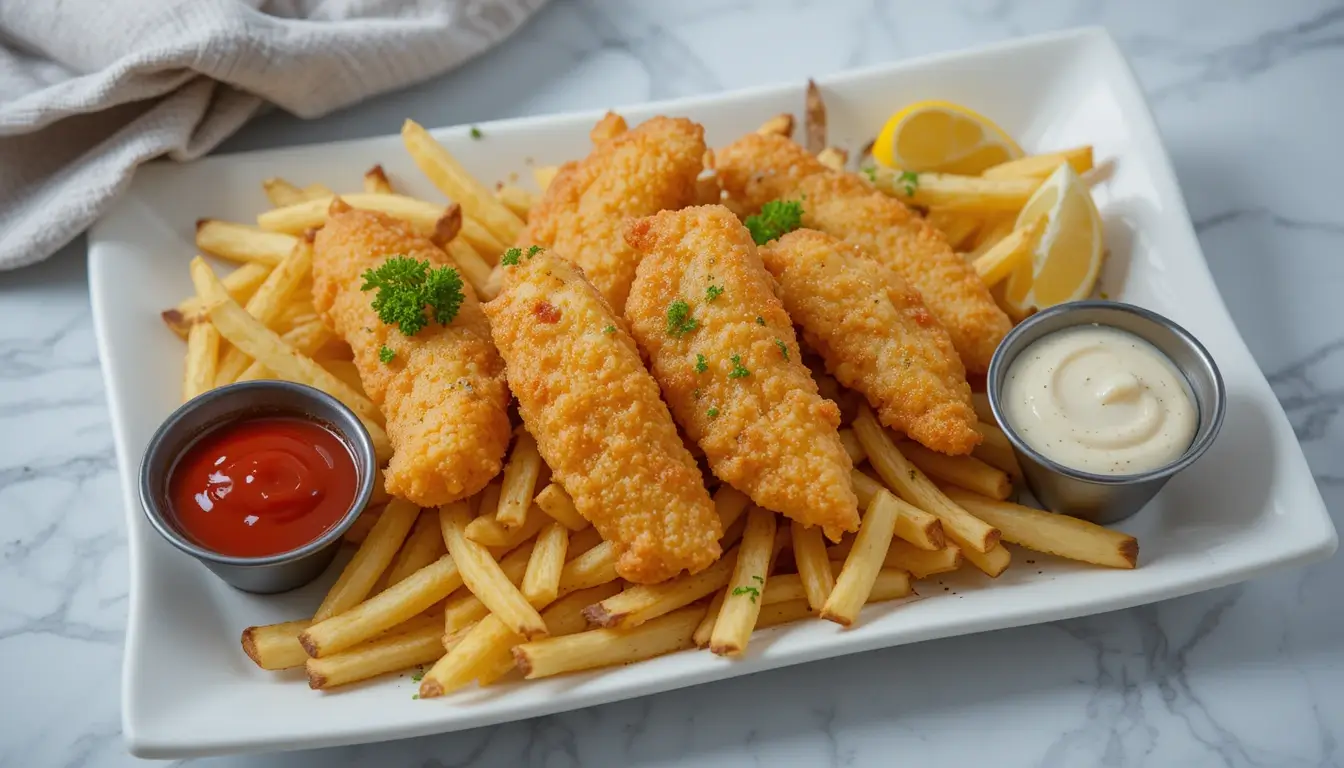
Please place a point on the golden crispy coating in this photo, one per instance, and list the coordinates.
(599, 423)
(876, 337)
(635, 173)
(757, 169)
(444, 394)
(767, 433)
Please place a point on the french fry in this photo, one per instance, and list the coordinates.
(779, 125)
(556, 503)
(466, 609)
(856, 579)
(737, 617)
(594, 567)
(473, 268)
(276, 646)
(922, 563)
(729, 503)
(962, 471)
(484, 577)
(202, 361)
(423, 546)
(995, 265)
(268, 303)
(1053, 534)
(317, 191)
(605, 647)
(991, 233)
(305, 339)
(705, 629)
(544, 175)
(852, 447)
(421, 644)
(281, 193)
(954, 193)
(376, 182)
(783, 613)
(814, 573)
(487, 531)
(992, 563)
(565, 616)
(956, 227)
(995, 450)
(1041, 166)
(916, 526)
(980, 401)
(240, 284)
(814, 119)
(446, 173)
(582, 541)
(640, 603)
(345, 370)
(517, 199)
(242, 243)
(833, 158)
(610, 126)
(968, 531)
(784, 587)
(541, 583)
(375, 553)
(359, 530)
(520, 482)
(890, 584)
(431, 220)
(398, 603)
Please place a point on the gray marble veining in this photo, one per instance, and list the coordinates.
(1248, 98)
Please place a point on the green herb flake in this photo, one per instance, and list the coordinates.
(739, 371)
(701, 365)
(679, 320)
(871, 173)
(419, 675)
(760, 320)
(511, 257)
(476, 133)
(415, 696)
(387, 354)
(533, 250)
(776, 219)
(713, 292)
(712, 413)
(758, 578)
(909, 180)
(783, 348)
(750, 591)
(608, 329)
(407, 287)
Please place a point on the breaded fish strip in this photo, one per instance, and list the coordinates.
(443, 394)
(599, 423)
(757, 169)
(736, 382)
(876, 337)
(635, 173)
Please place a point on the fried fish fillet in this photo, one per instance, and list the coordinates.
(736, 382)
(876, 337)
(634, 173)
(585, 396)
(444, 394)
(757, 169)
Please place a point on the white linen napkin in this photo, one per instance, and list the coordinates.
(89, 89)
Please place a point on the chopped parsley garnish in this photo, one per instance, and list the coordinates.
(758, 578)
(415, 696)
(419, 675)
(679, 320)
(739, 371)
(609, 329)
(760, 320)
(406, 287)
(909, 180)
(712, 413)
(512, 256)
(713, 292)
(387, 354)
(871, 173)
(476, 132)
(750, 591)
(701, 365)
(783, 348)
(776, 219)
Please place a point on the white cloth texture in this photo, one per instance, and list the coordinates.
(90, 89)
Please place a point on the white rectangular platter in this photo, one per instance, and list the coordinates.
(1250, 505)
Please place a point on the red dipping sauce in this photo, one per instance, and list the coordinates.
(262, 485)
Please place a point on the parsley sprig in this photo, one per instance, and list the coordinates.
(407, 287)
(679, 320)
(713, 292)
(776, 219)
(739, 370)
(512, 256)
(387, 354)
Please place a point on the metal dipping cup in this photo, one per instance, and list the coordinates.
(1106, 499)
(272, 573)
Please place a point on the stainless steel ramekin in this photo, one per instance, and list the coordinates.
(273, 573)
(1108, 499)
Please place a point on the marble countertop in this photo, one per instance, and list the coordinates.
(1248, 97)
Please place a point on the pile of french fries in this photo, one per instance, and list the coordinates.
(514, 581)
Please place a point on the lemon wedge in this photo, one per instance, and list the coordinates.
(1068, 256)
(944, 137)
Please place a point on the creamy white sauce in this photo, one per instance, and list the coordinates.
(1100, 400)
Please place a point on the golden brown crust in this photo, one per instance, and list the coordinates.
(757, 169)
(771, 435)
(876, 337)
(639, 172)
(444, 394)
(599, 422)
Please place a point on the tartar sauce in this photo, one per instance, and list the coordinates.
(1100, 400)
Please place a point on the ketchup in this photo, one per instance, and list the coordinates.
(262, 485)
